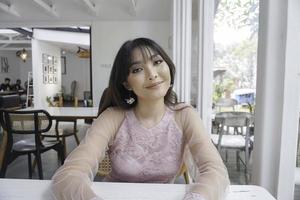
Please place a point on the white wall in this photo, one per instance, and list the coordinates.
(17, 68)
(107, 38)
(77, 69)
(41, 90)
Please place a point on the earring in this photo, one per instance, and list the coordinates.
(130, 100)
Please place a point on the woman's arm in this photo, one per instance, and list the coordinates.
(211, 177)
(73, 180)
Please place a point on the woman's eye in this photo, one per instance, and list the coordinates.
(157, 62)
(136, 70)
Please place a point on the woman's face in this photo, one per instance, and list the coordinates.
(149, 76)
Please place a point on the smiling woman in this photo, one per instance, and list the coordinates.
(149, 139)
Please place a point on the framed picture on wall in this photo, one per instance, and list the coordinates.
(45, 80)
(63, 65)
(50, 69)
(54, 79)
(50, 79)
(45, 69)
(54, 69)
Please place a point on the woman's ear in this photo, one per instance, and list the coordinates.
(126, 85)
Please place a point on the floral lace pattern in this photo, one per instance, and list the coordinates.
(193, 196)
(140, 154)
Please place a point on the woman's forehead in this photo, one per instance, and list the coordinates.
(143, 53)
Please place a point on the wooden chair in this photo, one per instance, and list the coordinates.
(61, 134)
(33, 124)
(239, 142)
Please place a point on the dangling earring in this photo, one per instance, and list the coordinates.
(130, 99)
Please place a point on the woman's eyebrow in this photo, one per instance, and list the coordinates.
(154, 55)
(135, 63)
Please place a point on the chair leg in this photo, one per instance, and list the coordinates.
(62, 154)
(39, 164)
(238, 160)
(65, 145)
(75, 132)
(3, 168)
(186, 177)
(29, 166)
(76, 138)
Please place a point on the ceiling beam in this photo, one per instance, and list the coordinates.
(9, 9)
(15, 41)
(91, 6)
(48, 8)
(14, 49)
(133, 4)
(23, 31)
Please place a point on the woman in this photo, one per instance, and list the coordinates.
(147, 133)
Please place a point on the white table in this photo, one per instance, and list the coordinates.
(26, 189)
(70, 112)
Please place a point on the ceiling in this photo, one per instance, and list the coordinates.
(47, 12)
(67, 13)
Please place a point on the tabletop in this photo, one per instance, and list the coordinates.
(28, 189)
(70, 112)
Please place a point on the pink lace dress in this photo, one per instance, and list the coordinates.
(140, 154)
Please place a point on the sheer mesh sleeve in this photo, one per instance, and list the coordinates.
(210, 175)
(72, 181)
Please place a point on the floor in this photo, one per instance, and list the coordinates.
(18, 169)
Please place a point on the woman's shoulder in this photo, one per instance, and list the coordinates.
(181, 107)
(183, 112)
(114, 110)
(114, 113)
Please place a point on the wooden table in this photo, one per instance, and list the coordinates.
(27, 189)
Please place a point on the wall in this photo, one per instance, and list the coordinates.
(77, 69)
(107, 37)
(41, 90)
(17, 68)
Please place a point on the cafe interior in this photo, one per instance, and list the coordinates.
(58, 56)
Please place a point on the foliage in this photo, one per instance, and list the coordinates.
(237, 59)
(238, 14)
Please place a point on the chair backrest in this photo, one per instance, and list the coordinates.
(234, 119)
(226, 102)
(32, 122)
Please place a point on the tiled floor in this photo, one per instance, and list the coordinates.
(18, 169)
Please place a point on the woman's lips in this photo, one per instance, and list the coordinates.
(154, 85)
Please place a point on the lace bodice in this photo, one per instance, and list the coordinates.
(140, 154)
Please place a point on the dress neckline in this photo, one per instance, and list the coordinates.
(138, 122)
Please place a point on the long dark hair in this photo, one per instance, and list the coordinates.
(116, 93)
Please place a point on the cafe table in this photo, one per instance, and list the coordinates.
(28, 189)
(69, 112)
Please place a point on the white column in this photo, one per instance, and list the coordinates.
(182, 30)
(205, 60)
(277, 102)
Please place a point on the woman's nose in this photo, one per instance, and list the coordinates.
(152, 77)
